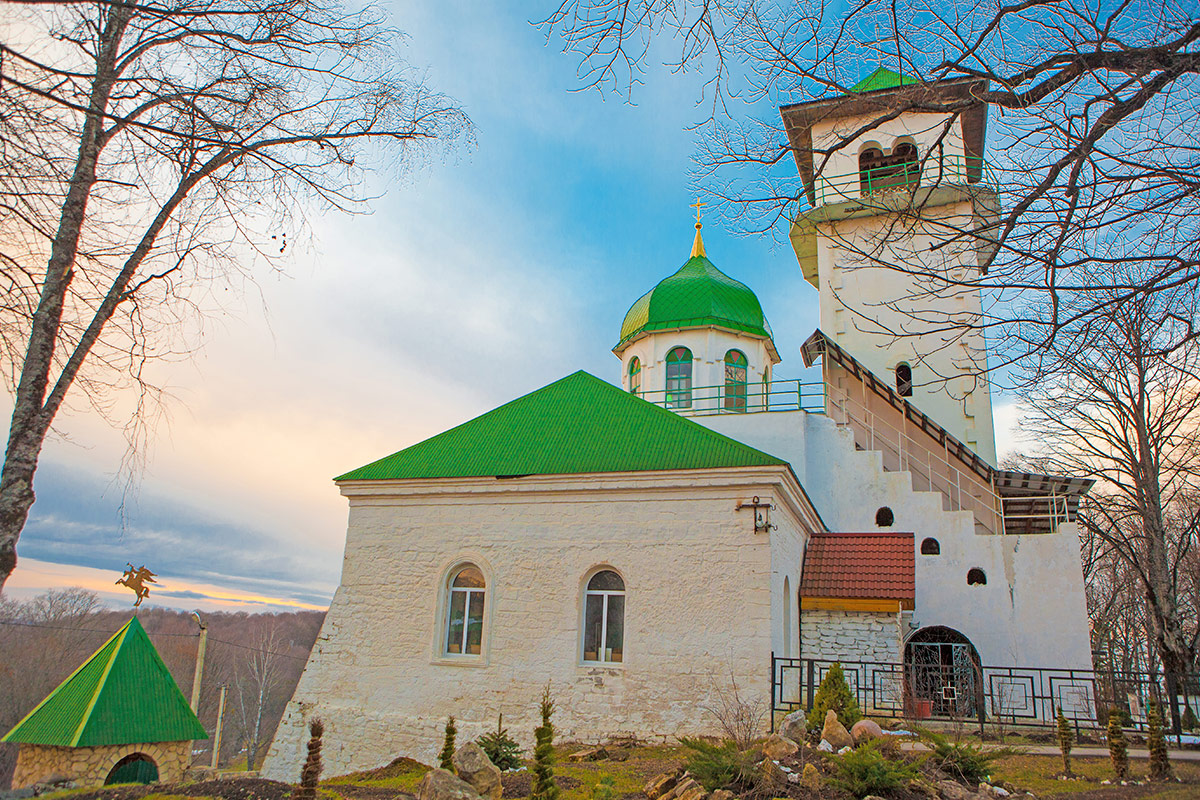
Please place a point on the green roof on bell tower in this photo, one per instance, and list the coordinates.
(697, 296)
(882, 78)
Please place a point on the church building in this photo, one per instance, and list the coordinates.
(705, 529)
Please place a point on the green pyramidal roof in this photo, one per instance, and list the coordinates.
(123, 694)
(882, 78)
(577, 424)
(697, 296)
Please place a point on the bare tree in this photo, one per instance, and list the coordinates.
(257, 681)
(150, 155)
(1092, 140)
(1116, 398)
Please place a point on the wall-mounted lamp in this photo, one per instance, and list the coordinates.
(762, 514)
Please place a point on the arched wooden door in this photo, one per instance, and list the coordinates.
(133, 768)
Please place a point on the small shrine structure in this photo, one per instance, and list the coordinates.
(119, 718)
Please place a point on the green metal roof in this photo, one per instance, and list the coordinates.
(123, 694)
(882, 78)
(577, 424)
(697, 296)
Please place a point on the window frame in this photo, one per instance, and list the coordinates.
(441, 651)
(635, 374)
(736, 392)
(605, 595)
(679, 396)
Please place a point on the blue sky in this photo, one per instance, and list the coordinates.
(487, 275)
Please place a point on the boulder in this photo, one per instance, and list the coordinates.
(810, 779)
(794, 726)
(825, 747)
(777, 747)
(474, 767)
(835, 732)
(721, 794)
(954, 791)
(440, 784)
(659, 785)
(591, 754)
(864, 730)
(690, 789)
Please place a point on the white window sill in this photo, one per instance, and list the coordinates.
(611, 665)
(460, 661)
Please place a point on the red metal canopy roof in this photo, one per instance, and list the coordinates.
(874, 566)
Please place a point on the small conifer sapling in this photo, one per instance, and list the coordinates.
(544, 786)
(1160, 765)
(1066, 738)
(834, 693)
(310, 775)
(1117, 750)
(446, 758)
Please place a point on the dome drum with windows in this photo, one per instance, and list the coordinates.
(698, 338)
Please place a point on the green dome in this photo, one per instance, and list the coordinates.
(697, 296)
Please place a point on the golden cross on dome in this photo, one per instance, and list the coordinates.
(698, 244)
(696, 205)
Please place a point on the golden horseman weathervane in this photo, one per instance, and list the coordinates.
(136, 579)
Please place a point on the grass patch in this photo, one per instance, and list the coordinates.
(1035, 773)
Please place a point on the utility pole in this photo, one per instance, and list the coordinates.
(217, 735)
(199, 662)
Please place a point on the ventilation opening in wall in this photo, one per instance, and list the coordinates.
(930, 547)
(904, 381)
(884, 517)
(976, 577)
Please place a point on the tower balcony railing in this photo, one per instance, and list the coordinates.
(747, 398)
(887, 179)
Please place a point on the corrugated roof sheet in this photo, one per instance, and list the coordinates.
(882, 78)
(577, 424)
(875, 566)
(123, 694)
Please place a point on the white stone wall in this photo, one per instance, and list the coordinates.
(700, 609)
(850, 635)
(1032, 611)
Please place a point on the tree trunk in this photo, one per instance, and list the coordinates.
(31, 417)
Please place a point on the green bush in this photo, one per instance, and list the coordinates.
(501, 749)
(446, 757)
(1118, 751)
(1065, 739)
(962, 760)
(544, 785)
(719, 766)
(1189, 719)
(834, 693)
(865, 770)
(605, 789)
(1160, 765)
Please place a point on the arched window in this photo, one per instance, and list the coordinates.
(735, 380)
(464, 612)
(635, 376)
(884, 518)
(904, 381)
(870, 163)
(679, 378)
(604, 618)
(931, 547)
(976, 577)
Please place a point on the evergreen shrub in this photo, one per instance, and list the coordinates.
(1160, 765)
(501, 749)
(446, 757)
(720, 766)
(310, 775)
(834, 693)
(963, 761)
(865, 770)
(544, 787)
(1117, 750)
(1065, 739)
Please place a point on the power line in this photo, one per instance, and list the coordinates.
(158, 633)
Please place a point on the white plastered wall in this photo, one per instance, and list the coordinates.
(1009, 620)
(708, 346)
(948, 367)
(703, 608)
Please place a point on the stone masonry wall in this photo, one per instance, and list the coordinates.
(89, 766)
(698, 615)
(850, 636)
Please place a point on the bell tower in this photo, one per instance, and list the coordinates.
(897, 192)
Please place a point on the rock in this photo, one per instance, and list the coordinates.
(474, 767)
(684, 783)
(773, 778)
(864, 730)
(690, 789)
(594, 754)
(794, 726)
(777, 747)
(721, 794)
(659, 785)
(439, 784)
(825, 747)
(810, 779)
(835, 732)
(844, 750)
(1000, 791)
(954, 791)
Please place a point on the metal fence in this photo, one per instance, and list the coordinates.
(961, 690)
